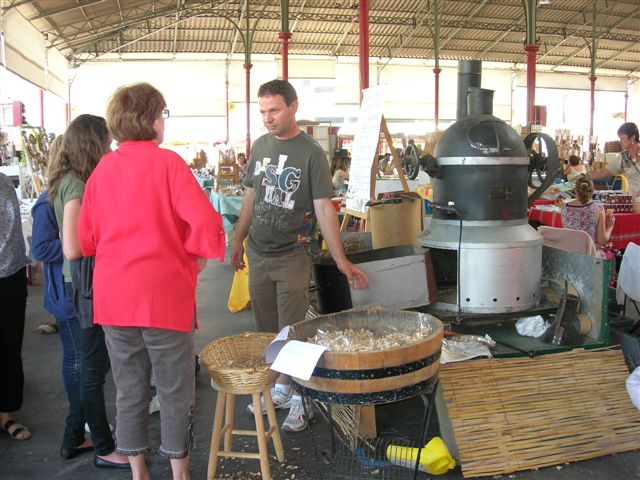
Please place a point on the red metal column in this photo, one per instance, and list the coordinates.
(284, 38)
(226, 106)
(247, 68)
(364, 45)
(592, 80)
(436, 103)
(531, 50)
(41, 108)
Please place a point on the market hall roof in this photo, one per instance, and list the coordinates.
(489, 30)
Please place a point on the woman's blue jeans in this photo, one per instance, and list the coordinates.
(85, 362)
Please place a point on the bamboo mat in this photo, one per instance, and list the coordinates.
(523, 413)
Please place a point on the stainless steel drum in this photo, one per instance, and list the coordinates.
(486, 257)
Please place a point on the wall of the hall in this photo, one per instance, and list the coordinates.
(328, 91)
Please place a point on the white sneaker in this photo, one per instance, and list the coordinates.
(154, 405)
(280, 400)
(49, 327)
(297, 421)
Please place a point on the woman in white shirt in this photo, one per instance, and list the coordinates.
(340, 173)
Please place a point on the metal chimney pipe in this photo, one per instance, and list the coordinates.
(469, 75)
(480, 101)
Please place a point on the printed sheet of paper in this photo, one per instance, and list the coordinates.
(298, 359)
(363, 150)
(276, 345)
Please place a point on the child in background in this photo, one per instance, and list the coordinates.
(241, 160)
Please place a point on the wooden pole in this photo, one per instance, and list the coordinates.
(394, 154)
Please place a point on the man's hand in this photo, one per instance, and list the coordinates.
(237, 260)
(356, 277)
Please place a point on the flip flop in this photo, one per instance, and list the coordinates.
(16, 430)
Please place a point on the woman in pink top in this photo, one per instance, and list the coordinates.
(151, 229)
(585, 214)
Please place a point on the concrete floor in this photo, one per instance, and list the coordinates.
(45, 406)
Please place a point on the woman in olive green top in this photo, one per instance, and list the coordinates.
(86, 140)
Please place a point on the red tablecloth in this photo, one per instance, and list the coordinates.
(543, 202)
(625, 230)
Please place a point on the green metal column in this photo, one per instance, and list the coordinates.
(531, 49)
(593, 78)
(247, 39)
(436, 70)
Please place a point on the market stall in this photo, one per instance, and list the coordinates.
(228, 205)
(494, 280)
(625, 230)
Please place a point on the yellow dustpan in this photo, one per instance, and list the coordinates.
(434, 457)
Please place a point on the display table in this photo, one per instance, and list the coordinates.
(625, 230)
(229, 207)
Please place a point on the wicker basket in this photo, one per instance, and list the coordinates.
(244, 347)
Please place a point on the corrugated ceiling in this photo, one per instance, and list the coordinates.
(490, 30)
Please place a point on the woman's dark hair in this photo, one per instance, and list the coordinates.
(279, 87)
(84, 142)
(132, 111)
(574, 160)
(340, 163)
(584, 188)
(629, 129)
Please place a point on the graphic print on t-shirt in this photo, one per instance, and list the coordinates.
(279, 189)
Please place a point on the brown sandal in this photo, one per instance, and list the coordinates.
(16, 430)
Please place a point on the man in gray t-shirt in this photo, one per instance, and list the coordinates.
(288, 189)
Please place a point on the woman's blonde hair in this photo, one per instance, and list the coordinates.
(84, 142)
(132, 111)
(584, 188)
(55, 150)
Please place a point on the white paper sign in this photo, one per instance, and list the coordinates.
(363, 150)
(298, 359)
(276, 345)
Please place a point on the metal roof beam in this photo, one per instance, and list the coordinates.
(113, 29)
(617, 55)
(58, 11)
(232, 46)
(604, 35)
(413, 29)
(295, 22)
(501, 37)
(475, 10)
(343, 36)
(175, 28)
(139, 12)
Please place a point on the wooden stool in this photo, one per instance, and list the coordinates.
(225, 404)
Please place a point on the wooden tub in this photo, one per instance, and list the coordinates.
(378, 376)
